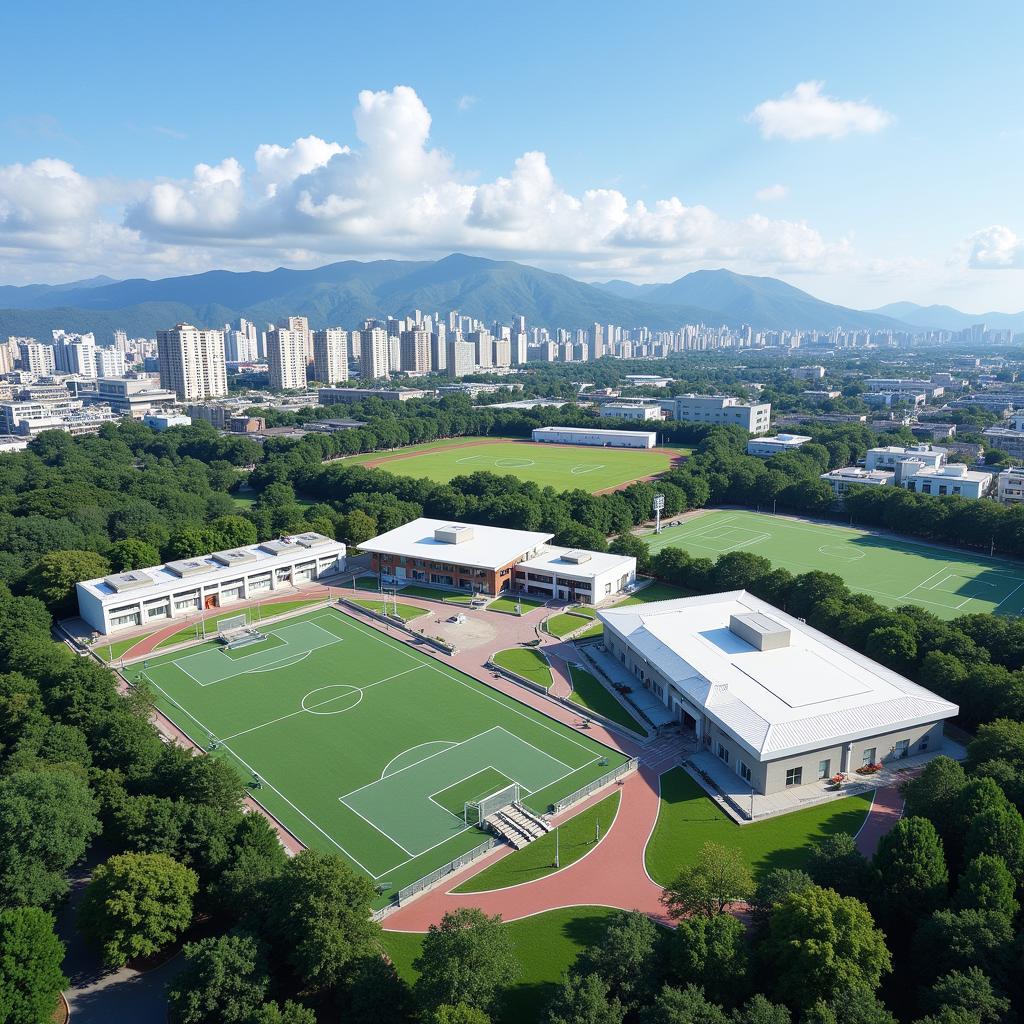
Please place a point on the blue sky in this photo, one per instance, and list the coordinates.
(867, 152)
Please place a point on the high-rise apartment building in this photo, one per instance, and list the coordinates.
(36, 357)
(75, 354)
(461, 357)
(502, 352)
(286, 359)
(192, 363)
(483, 344)
(439, 348)
(109, 362)
(298, 325)
(330, 355)
(375, 357)
(415, 351)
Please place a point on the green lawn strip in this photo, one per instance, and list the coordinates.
(656, 592)
(455, 797)
(113, 651)
(688, 818)
(595, 630)
(565, 622)
(436, 594)
(546, 946)
(575, 839)
(525, 661)
(267, 610)
(405, 611)
(508, 604)
(593, 694)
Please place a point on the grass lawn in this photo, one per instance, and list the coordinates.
(564, 467)
(508, 604)
(946, 583)
(279, 608)
(362, 742)
(406, 612)
(688, 819)
(525, 661)
(546, 946)
(575, 839)
(593, 694)
(565, 622)
(113, 651)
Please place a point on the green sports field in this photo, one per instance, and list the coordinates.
(364, 745)
(895, 572)
(564, 467)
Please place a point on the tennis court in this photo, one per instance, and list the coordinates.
(946, 583)
(363, 745)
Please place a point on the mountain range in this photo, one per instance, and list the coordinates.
(348, 292)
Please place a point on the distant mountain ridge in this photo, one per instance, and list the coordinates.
(350, 291)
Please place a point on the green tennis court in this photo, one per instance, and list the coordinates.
(946, 583)
(364, 745)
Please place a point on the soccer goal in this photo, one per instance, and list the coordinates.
(476, 812)
(235, 631)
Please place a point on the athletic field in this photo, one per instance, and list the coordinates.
(947, 583)
(564, 467)
(363, 745)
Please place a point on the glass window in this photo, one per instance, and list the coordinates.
(794, 776)
(744, 771)
(723, 753)
(902, 748)
(923, 742)
(824, 769)
(868, 756)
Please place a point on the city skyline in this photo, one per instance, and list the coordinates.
(851, 163)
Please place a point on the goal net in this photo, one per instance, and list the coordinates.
(476, 812)
(235, 631)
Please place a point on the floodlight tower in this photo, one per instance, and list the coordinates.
(657, 505)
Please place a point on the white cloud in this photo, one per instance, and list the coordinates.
(386, 193)
(806, 113)
(993, 248)
(771, 193)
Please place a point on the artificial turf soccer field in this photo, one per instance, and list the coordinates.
(564, 467)
(895, 572)
(364, 745)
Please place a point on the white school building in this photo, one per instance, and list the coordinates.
(594, 436)
(153, 596)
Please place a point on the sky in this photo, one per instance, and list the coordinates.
(868, 153)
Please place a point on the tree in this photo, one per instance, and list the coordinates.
(624, 958)
(682, 1006)
(759, 1010)
(468, 957)
(712, 952)
(319, 916)
(47, 819)
(30, 966)
(234, 531)
(998, 831)
(892, 646)
(52, 579)
(957, 940)
(288, 1013)
(377, 994)
(912, 872)
(135, 904)
(224, 979)
(933, 794)
(584, 999)
(632, 546)
(836, 863)
(255, 858)
(819, 944)
(356, 527)
(972, 991)
(133, 554)
(987, 884)
(774, 887)
(460, 1013)
(718, 877)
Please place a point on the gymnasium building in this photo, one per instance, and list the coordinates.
(153, 596)
(489, 560)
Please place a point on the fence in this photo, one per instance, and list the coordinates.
(592, 787)
(515, 677)
(406, 894)
(436, 642)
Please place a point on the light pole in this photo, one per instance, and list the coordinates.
(556, 847)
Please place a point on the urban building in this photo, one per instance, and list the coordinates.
(766, 447)
(620, 411)
(338, 396)
(130, 396)
(1009, 438)
(594, 436)
(150, 597)
(161, 421)
(841, 480)
(415, 351)
(286, 359)
(375, 353)
(29, 416)
(492, 560)
(719, 410)
(330, 355)
(1010, 486)
(192, 362)
(891, 456)
(952, 478)
(777, 702)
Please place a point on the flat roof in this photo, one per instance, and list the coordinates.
(595, 430)
(812, 692)
(193, 572)
(598, 562)
(489, 547)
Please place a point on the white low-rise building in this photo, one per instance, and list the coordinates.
(953, 478)
(766, 447)
(719, 410)
(628, 411)
(890, 456)
(781, 704)
(594, 436)
(1010, 486)
(151, 597)
(841, 480)
(569, 574)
